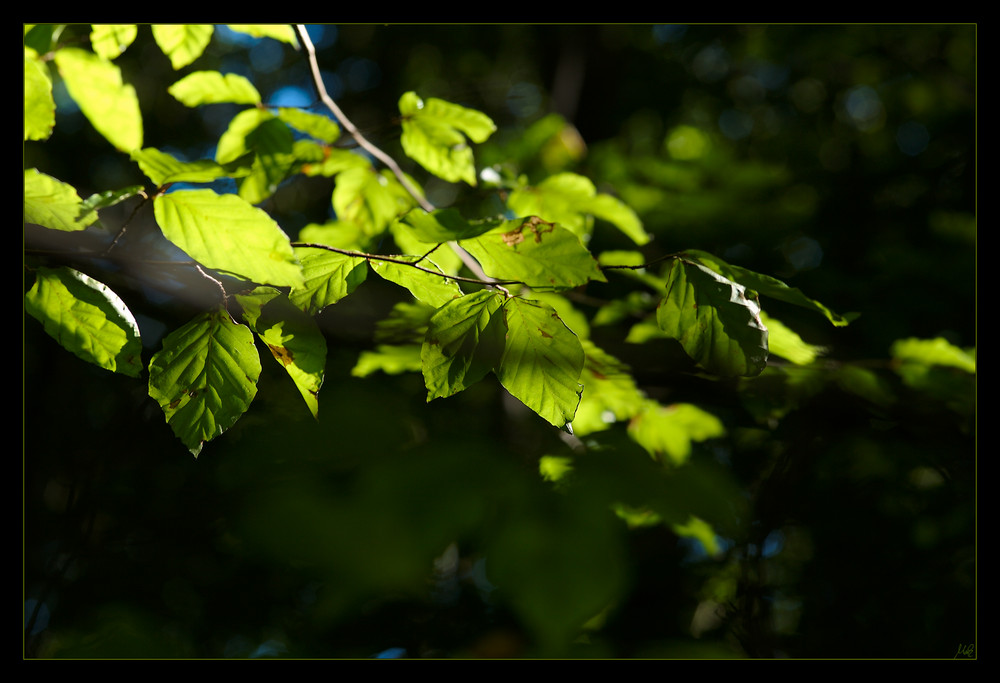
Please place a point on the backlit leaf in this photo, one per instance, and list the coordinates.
(110, 105)
(212, 87)
(182, 43)
(434, 133)
(162, 168)
(712, 318)
(464, 342)
(205, 377)
(54, 204)
(426, 287)
(282, 32)
(544, 256)
(542, 361)
(292, 337)
(327, 278)
(225, 233)
(768, 286)
(86, 318)
(110, 40)
(39, 107)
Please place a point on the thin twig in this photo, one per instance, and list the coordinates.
(390, 163)
(497, 284)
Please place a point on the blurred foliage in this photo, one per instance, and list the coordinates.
(840, 485)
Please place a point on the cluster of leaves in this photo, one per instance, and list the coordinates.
(489, 292)
(205, 375)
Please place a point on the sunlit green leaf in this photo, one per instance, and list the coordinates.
(701, 531)
(767, 286)
(390, 359)
(86, 318)
(542, 255)
(609, 392)
(786, 343)
(273, 143)
(110, 105)
(110, 40)
(434, 133)
(54, 204)
(162, 168)
(108, 198)
(937, 351)
(464, 342)
(225, 233)
(233, 143)
(426, 287)
(327, 278)
(369, 199)
(205, 377)
(316, 125)
(668, 431)
(542, 361)
(39, 107)
(212, 87)
(292, 337)
(444, 225)
(718, 326)
(282, 32)
(182, 43)
(571, 200)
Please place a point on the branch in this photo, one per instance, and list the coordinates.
(363, 142)
(488, 282)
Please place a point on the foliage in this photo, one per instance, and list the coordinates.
(500, 281)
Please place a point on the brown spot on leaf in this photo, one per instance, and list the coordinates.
(282, 354)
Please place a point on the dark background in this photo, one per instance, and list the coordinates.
(839, 158)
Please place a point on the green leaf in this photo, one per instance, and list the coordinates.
(212, 87)
(316, 125)
(110, 40)
(619, 214)
(464, 342)
(670, 430)
(205, 377)
(444, 225)
(86, 318)
(767, 286)
(542, 361)
(282, 32)
(937, 351)
(182, 43)
(54, 204)
(370, 200)
(327, 278)
(570, 200)
(293, 338)
(718, 326)
(390, 359)
(320, 160)
(433, 136)
(544, 256)
(609, 392)
(39, 107)
(233, 143)
(786, 343)
(110, 105)
(108, 198)
(273, 143)
(225, 233)
(431, 289)
(444, 257)
(162, 168)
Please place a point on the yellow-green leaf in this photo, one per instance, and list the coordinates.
(182, 43)
(110, 105)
